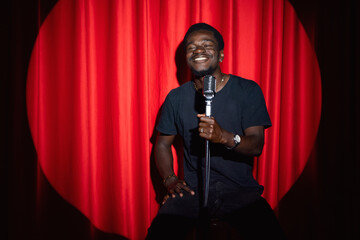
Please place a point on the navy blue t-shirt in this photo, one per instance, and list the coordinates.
(239, 105)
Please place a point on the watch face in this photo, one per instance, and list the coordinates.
(237, 138)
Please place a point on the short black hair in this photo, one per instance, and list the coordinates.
(203, 26)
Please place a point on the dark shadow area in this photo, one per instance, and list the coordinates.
(324, 202)
(298, 211)
(47, 216)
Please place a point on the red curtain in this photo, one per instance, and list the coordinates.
(100, 71)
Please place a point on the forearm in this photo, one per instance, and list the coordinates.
(164, 159)
(164, 163)
(250, 145)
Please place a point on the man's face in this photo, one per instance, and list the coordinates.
(202, 54)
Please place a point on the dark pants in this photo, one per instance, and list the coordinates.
(244, 212)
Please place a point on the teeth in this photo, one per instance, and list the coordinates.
(200, 58)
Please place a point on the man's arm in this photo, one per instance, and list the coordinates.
(251, 143)
(164, 163)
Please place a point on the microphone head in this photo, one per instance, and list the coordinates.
(209, 87)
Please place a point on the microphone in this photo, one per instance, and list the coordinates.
(209, 93)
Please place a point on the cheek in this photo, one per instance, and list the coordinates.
(188, 61)
(188, 56)
(214, 59)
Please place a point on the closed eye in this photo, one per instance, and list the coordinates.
(190, 48)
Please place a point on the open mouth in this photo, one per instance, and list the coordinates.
(200, 59)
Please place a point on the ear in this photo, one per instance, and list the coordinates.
(221, 58)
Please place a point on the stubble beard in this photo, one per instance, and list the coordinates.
(203, 73)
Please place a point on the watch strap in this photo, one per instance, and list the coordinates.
(236, 142)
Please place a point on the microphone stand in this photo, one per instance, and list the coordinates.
(207, 157)
(209, 90)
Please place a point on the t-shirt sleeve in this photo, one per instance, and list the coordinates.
(167, 118)
(255, 112)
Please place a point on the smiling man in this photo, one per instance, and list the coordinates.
(236, 134)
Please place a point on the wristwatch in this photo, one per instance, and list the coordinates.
(237, 140)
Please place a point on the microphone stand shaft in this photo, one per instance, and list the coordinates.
(207, 159)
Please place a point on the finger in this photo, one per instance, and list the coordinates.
(201, 115)
(207, 120)
(186, 188)
(172, 193)
(203, 125)
(189, 190)
(179, 191)
(204, 136)
(165, 199)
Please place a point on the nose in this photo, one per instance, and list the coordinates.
(199, 49)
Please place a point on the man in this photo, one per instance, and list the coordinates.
(236, 134)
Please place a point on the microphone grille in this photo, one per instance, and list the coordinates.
(209, 86)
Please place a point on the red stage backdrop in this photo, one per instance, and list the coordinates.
(100, 71)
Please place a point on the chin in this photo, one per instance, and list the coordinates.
(202, 73)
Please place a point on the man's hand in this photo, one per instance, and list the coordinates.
(210, 129)
(251, 144)
(175, 186)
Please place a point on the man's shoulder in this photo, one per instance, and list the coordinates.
(181, 90)
(243, 83)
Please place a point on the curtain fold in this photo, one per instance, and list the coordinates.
(100, 71)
